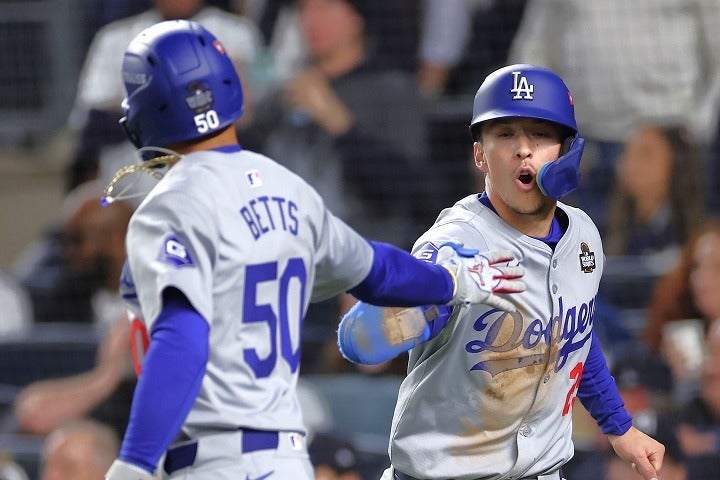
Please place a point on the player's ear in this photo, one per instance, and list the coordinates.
(479, 154)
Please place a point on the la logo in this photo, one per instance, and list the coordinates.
(521, 88)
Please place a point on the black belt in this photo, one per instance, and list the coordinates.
(251, 440)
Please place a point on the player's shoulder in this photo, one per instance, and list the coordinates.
(461, 222)
(465, 210)
(578, 217)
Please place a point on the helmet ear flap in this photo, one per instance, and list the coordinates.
(131, 135)
(475, 132)
(561, 177)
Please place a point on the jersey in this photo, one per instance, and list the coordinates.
(250, 245)
(491, 396)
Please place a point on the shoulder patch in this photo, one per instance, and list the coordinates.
(587, 258)
(175, 252)
(428, 253)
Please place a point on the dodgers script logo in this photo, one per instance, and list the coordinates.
(522, 89)
(572, 328)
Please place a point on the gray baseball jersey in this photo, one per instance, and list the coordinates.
(250, 244)
(491, 396)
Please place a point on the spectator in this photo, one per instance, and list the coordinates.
(16, 315)
(683, 305)
(425, 38)
(689, 289)
(333, 457)
(444, 34)
(73, 275)
(699, 429)
(103, 393)
(102, 148)
(337, 122)
(493, 24)
(616, 55)
(80, 450)
(656, 204)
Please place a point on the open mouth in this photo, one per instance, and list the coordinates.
(525, 178)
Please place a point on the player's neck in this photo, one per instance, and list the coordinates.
(222, 139)
(535, 224)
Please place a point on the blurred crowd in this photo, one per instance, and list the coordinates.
(357, 96)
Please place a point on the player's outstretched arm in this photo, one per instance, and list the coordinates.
(370, 334)
(643, 452)
(461, 276)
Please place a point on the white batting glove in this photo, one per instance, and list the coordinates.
(480, 277)
(120, 470)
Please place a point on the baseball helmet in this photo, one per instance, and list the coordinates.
(524, 91)
(180, 85)
(530, 91)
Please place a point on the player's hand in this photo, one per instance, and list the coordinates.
(311, 92)
(480, 277)
(120, 470)
(643, 452)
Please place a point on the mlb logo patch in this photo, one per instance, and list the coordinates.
(297, 441)
(254, 178)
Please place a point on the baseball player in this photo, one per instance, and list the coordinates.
(489, 391)
(224, 255)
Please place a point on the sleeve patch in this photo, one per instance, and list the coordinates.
(175, 253)
(428, 253)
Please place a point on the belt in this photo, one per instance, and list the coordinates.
(182, 456)
(556, 475)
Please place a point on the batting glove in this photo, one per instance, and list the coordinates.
(480, 277)
(120, 470)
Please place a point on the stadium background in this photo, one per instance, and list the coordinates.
(42, 47)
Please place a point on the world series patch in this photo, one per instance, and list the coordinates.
(587, 258)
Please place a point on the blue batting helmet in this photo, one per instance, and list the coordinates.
(523, 91)
(534, 92)
(180, 85)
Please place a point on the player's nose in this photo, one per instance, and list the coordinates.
(523, 147)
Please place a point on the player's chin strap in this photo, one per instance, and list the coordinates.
(557, 179)
(152, 160)
(120, 470)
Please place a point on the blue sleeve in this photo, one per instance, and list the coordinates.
(599, 393)
(170, 380)
(362, 337)
(400, 280)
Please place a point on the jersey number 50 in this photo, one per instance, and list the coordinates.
(206, 121)
(278, 323)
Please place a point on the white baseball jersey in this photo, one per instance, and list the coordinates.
(250, 244)
(491, 396)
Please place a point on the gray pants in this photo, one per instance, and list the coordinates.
(241, 456)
